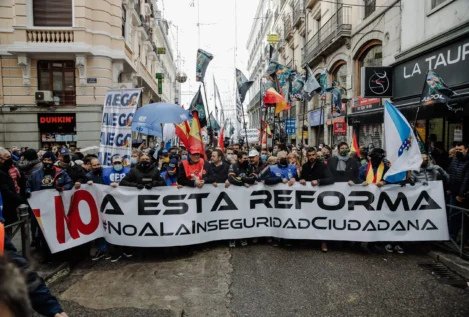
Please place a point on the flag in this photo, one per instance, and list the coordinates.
(419, 141)
(243, 84)
(436, 91)
(280, 75)
(312, 86)
(266, 127)
(273, 97)
(297, 86)
(400, 145)
(213, 123)
(203, 59)
(239, 107)
(221, 139)
(197, 105)
(195, 135)
(323, 80)
(354, 146)
(336, 98)
(182, 131)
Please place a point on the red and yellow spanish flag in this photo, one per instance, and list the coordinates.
(354, 146)
(182, 131)
(273, 97)
(221, 139)
(195, 135)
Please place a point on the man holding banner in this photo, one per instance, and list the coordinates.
(195, 172)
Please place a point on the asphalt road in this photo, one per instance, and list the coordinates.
(260, 280)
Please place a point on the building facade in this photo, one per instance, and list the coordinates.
(74, 51)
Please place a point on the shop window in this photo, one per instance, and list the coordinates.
(58, 77)
(53, 13)
(370, 135)
(370, 7)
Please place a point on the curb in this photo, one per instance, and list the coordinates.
(452, 262)
(59, 272)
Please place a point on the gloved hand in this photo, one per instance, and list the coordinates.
(140, 186)
(59, 189)
(148, 186)
(425, 184)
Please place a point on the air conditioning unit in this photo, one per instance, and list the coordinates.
(44, 96)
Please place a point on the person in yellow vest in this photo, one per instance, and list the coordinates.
(374, 170)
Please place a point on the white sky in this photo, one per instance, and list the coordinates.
(217, 36)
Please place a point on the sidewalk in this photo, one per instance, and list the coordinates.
(452, 261)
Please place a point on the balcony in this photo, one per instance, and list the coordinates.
(311, 3)
(332, 35)
(298, 14)
(49, 36)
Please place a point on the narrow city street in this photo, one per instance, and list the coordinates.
(261, 280)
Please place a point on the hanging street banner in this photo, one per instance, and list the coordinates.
(239, 107)
(167, 216)
(203, 59)
(116, 129)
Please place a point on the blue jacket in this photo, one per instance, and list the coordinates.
(276, 174)
(61, 179)
(110, 175)
(41, 299)
(97, 179)
(170, 180)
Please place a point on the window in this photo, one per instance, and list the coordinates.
(52, 13)
(58, 77)
(436, 3)
(124, 18)
(340, 74)
(370, 7)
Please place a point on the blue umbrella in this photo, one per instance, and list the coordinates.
(148, 119)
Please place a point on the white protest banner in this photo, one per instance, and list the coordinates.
(167, 216)
(253, 135)
(116, 130)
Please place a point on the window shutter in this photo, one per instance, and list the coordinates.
(52, 13)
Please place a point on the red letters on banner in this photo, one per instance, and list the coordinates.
(75, 224)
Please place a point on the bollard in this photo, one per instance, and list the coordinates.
(23, 211)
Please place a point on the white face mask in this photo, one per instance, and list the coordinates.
(230, 157)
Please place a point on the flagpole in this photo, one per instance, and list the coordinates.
(421, 98)
(303, 123)
(321, 119)
(209, 122)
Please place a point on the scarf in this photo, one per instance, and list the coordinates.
(371, 177)
(342, 163)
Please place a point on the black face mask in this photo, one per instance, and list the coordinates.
(376, 160)
(145, 164)
(235, 152)
(283, 162)
(7, 164)
(326, 156)
(245, 164)
(424, 164)
(97, 170)
(48, 166)
(459, 155)
(66, 159)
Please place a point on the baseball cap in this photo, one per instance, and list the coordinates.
(64, 151)
(165, 152)
(116, 158)
(173, 163)
(253, 153)
(48, 155)
(195, 150)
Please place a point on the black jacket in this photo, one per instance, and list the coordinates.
(318, 172)
(208, 176)
(239, 176)
(11, 200)
(220, 173)
(139, 176)
(351, 170)
(96, 178)
(459, 175)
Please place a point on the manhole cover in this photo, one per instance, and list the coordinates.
(443, 275)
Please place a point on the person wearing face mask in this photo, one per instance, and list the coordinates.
(429, 172)
(343, 167)
(47, 177)
(374, 170)
(164, 160)
(458, 184)
(170, 175)
(113, 175)
(282, 172)
(11, 199)
(318, 174)
(195, 172)
(264, 155)
(135, 157)
(326, 154)
(64, 162)
(257, 164)
(144, 175)
(184, 155)
(230, 157)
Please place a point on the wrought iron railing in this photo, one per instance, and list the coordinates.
(298, 11)
(338, 23)
(458, 218)
(22, 225)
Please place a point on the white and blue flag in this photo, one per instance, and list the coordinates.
(400, 144)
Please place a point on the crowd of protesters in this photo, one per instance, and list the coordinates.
(24, 170)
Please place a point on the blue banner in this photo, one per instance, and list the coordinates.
(316, 118)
